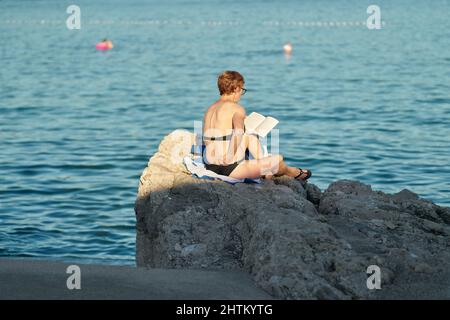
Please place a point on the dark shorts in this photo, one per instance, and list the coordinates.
(222, 170)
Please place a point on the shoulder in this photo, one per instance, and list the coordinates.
(238, 110)
(210, 109)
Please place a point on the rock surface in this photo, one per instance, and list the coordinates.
(294, 240)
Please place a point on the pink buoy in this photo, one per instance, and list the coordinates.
(104, 45)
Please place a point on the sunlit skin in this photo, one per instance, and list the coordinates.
(109, 44)
(287, 48)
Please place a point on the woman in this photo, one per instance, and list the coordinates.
(226, 140)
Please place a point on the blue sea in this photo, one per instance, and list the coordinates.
(77, 126)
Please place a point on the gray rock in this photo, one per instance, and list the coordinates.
(423, 268)
(295, 241)
(193, 249)
(313, 193)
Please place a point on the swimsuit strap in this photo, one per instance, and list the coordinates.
(224, 138)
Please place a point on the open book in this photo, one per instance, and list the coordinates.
(257, 123)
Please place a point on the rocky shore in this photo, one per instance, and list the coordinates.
(294, 240)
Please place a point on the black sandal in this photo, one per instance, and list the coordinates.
(303, 171)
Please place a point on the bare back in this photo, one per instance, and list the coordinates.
(218, 122)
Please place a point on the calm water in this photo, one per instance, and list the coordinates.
(77, 126)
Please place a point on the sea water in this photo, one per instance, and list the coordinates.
(77, 126)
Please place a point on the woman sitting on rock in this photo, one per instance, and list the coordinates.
(226, 141)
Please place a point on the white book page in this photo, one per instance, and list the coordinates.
(266, 126)
(252, 121)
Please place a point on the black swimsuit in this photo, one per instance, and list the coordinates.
(222, 170)
(217, 168)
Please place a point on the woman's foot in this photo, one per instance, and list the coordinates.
(304, 174)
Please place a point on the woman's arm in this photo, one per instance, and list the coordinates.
(237, 135)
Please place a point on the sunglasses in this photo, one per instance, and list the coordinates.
(243, 91)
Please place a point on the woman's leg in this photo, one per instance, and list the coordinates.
(284, 169)
(251, 143)
(271, 165)
(254, 146)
